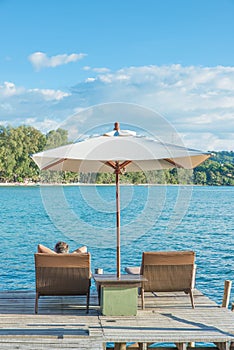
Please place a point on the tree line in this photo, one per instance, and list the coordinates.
(17, 144)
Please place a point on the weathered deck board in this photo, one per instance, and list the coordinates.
(62, 322)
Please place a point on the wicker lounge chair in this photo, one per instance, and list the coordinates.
(167, 272)
(62, 274)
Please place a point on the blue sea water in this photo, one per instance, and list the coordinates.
(153, 218)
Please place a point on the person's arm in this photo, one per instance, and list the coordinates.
(82, 249)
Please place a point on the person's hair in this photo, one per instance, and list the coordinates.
(61, 247)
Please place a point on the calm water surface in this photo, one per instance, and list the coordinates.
(152, 218)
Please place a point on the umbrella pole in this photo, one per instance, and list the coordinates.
(117, 221)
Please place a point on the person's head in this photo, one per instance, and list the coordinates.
(61, 247)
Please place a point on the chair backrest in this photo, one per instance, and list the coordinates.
(61, 274)
(168, 271)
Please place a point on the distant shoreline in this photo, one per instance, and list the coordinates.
(14, 184)
(31, 184)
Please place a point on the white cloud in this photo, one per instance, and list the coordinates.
(101, 70)
(44, 125)
(209, 141)
(197, 101)
(50, 94)
(40, 60)
(9, 89)
(34, 107)
(5, 107)
(111, 78)
(86, 68)
(90, 80)
(96, 70)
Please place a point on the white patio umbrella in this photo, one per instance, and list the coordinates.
(116, 152)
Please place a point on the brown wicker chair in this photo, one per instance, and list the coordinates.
(62, 274)
(168, 272)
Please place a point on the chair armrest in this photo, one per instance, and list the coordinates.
(135, 270)
(82, 249)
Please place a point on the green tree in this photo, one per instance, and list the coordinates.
(200, 178)
(17, 145)
(55, 138)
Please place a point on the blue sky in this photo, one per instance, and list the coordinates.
(175, 57)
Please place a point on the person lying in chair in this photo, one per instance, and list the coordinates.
(60, 248)
(60, 273)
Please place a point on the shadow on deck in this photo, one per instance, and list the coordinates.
(62, 323)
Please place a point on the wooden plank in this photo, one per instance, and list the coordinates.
(63, 323)
(226, 293)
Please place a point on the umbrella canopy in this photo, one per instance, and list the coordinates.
(116, 152)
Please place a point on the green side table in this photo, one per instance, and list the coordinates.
(119, 300)
(118, 296)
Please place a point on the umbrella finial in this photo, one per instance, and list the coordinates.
(116, 129)
(116, 126)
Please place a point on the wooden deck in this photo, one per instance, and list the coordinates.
(62, 323)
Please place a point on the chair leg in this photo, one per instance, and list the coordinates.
(99, 294)
(120, 346)
(192, 298)
(36, 302)
(142, 298)
(87, 301)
